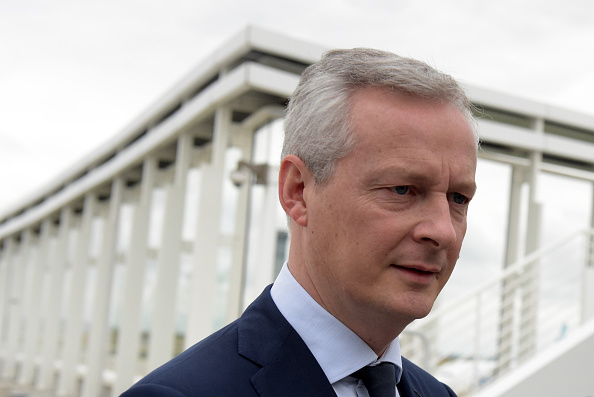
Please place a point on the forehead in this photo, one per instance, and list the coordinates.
(378, 112)
(395, 127)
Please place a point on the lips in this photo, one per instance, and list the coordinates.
(423, 269)
(418, 274)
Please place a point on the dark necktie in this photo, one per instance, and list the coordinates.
(379, 380)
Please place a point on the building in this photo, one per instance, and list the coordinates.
(163, 234)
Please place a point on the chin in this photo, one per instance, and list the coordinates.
(417, 307)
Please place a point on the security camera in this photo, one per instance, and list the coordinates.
(239, 177)
(245, 170)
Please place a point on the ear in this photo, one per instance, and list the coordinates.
(294, 177)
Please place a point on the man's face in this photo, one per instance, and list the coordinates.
(384, 234)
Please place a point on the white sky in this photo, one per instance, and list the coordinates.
(74, 73)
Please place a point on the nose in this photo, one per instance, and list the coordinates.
(436, 226)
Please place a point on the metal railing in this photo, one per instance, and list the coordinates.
(478, 337)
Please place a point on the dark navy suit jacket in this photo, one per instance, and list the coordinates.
(259, 355)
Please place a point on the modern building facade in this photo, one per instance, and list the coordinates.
(165, 233)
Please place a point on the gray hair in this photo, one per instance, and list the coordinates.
(317, 123)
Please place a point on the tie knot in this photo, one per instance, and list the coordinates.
(379, 380)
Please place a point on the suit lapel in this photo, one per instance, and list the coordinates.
(293, 372)
(288, 367)
(406, 391)
(407, 387)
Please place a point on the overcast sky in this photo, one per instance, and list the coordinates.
(74, 73)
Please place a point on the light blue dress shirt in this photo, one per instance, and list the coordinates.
(338, 350)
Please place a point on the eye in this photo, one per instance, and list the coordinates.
(402, 190)
(459, 198)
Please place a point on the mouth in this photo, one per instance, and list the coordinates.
(418, 274)
(423, 269)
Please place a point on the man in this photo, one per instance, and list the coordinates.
(377, 173)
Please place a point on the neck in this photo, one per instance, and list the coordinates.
(377, 330)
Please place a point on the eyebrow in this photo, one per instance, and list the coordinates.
(470, 187)
(410, 173)
(400, 170)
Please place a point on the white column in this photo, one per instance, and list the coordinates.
(15, 307)
(34, 312)
(3, 275)
(512, 249)
(4, 261)
(245, 141)
(16, 287)
(263, 257)
(129, 328)
(588, 295)
(201, 312)
(29, 304)
(74, 322)
(530, 277)
(5, 258)
(508, 289)
(168, 260)
(99, 332)
(53, 315)
(588, 274)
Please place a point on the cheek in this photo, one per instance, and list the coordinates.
(390, 228)
(448, 273)
(460, 227)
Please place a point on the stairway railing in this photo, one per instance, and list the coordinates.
(479, 336)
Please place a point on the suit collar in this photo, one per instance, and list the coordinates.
(337, 349)
(410, 385)
(288, 367)
(406, 390)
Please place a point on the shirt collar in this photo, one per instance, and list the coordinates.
(338, 350)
